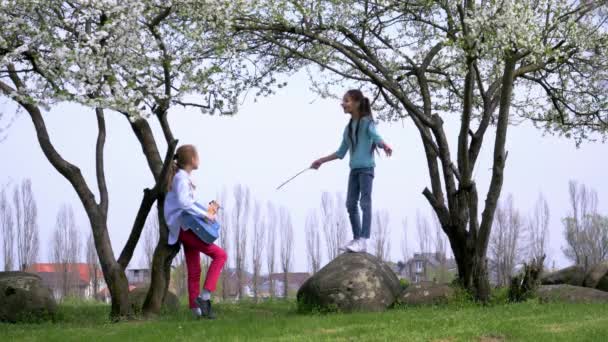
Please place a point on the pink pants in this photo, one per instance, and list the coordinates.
(193, 246)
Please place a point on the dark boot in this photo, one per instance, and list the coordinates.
(205, 305)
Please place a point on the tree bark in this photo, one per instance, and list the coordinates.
(113, 273)
(163, 253)
(161, 268)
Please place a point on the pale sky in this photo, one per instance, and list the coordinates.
(269, 141)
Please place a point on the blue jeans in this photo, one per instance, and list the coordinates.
(360, 192)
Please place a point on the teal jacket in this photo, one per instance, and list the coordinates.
(362, 155)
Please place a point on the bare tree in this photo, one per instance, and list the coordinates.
(586, 231)
(242, 201)
(313, 241)
(223, 216)
(286, 247)
(26, 217)
(257, 243)
(151, 236)
(271, 227)
(538, 229)
(405, 253)
(504, 242)
(179, 274)
(7, 230)
(381, 229)
(440, 240)
(442, 274)
(424, 233)
(327, 218)
(94, 268)
(334, 222)
(341, 222)
(66, 248)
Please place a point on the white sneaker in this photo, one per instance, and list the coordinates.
(363, 245)
(348, 246)
(359, 247)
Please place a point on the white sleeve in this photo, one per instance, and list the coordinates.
(185, 198)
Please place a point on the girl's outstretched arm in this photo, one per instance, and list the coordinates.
(377, 139)
(317, 163)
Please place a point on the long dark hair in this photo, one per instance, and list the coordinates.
(365, 109)
(182, 158)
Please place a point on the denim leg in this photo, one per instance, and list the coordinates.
(352, 199)
(366, 179)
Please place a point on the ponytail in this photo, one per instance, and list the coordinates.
(171, 174)
(182, 158)
(365, 109)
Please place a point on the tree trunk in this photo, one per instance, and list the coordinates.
(113, 272)
(161, 268)
(163, 253)
(96, 212)
(472, 269)
(285, 285)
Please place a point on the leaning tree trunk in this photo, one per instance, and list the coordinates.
(96, 212)
(163, 253)
(161, 267)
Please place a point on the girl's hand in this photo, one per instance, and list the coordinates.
(210, 217)
(316, 164)
(387, 149)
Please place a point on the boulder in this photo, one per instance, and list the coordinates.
(571, 294)
(350, 282)
(426, 294)
(137, 297)
(602, 285)
(23, 298)
(597, 277)
(573, 275)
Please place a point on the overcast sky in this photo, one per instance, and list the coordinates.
(269, 141)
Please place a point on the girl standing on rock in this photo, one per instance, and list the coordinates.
(361, 139)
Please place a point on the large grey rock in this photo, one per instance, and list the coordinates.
(426, 294)
(602, 285)
(571, 294)
(137, 297)
(23, 298)
(350, 282)
(597, 277)
(573, 275)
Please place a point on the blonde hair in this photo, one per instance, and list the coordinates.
(182, 158)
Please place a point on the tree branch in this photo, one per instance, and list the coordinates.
(150, 196)
(101, 179)
(499, 157)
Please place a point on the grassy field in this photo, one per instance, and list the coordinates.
(529, 321)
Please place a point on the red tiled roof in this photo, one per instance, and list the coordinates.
(81, 268)
(106, 292)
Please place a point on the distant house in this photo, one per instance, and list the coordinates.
(138, 276)
(424, 267)
(104, 294)
(266, 291)
(231, 283)
(75, 278)
(294, 281)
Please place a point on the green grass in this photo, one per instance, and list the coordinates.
(460, 321)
